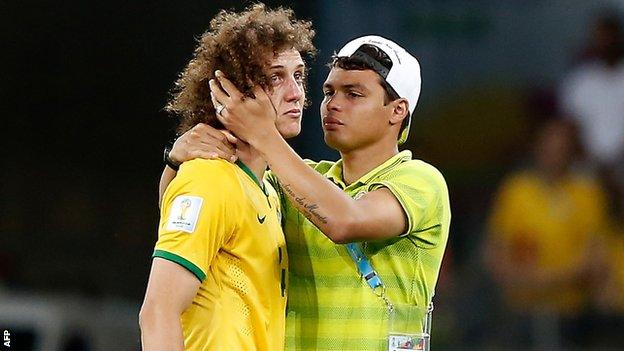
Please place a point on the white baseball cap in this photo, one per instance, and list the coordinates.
(403, 76)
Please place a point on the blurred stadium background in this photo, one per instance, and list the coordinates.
(84, 83)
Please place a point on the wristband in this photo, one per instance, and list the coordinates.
(168, 161)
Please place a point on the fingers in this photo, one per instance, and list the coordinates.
(179, 151)
(212, 150)
(221, 118)
(228, 87)
(220, 136)
(213, 155)
(203, 133)
(213, 98)
(215, 145)
(229, 136)
(217, 95)
(211, 138)
(259, 93)
(206, 142)
(219, 108)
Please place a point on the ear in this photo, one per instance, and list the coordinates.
(399, 111)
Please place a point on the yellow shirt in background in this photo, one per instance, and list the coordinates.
(547, 226)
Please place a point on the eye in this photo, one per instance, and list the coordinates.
(354, 94)
(275, 78)
(327, 93)
(299, 77)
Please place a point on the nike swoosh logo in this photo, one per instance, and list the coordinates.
(261, 219)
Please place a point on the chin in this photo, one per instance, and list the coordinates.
(290, 130)
(332, 142)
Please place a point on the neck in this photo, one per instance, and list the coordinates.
(356, 163)
(252, 159)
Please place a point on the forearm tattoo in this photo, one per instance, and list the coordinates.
(308, 210)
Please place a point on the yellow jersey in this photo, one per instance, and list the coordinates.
(222, 224)
(548, 226)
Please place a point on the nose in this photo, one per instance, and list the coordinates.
(294, 91)
(331, 102)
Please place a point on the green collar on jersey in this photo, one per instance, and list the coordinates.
(251, 175)
(335, 172)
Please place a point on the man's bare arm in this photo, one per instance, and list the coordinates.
(375, 215)
(170, 291)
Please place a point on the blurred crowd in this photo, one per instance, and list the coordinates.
(554, 242)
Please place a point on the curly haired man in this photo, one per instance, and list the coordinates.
(218, 276)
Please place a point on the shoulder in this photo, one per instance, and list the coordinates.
(414, 183)
(208, 172)
(416, 173)
(206, 168)
(205, 177)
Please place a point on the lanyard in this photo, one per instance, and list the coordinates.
(365, 268)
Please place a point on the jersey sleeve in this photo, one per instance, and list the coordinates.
(198, 215)
(423, 195)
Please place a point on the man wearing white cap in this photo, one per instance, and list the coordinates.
(366, 234)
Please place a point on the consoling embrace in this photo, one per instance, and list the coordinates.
(354, 247)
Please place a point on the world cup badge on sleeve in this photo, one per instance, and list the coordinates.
(184, 213)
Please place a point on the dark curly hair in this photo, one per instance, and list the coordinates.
(240, 45)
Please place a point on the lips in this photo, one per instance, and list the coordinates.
(295, 112)
(331, 121)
